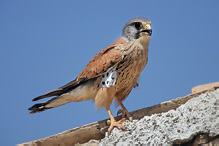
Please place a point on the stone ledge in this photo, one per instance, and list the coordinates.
(96, 130)
(197, 118)
(205, 87)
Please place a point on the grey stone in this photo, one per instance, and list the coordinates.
(198, 115)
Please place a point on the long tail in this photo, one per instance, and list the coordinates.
(83, 91)
(64, 89)
(54, 102)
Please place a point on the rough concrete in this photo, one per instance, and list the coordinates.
(91, 134)
(199, 115)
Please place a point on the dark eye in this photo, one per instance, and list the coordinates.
(138, 25)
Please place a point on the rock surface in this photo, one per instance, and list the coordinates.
(199, 115)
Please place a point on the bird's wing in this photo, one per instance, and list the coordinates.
(98, 65)
(102, 61)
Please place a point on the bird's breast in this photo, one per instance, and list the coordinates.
(130, 68)
(124, 75)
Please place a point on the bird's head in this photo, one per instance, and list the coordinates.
(136, 28)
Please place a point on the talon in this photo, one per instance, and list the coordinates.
(117, 124)
(108, 122)
(124, 112)
(119, 112)
(122, 120)
(113, 123)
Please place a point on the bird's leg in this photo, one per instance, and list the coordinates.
(124, 112)
(113, 123)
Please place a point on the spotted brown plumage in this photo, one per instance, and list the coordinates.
(111, 73)
(105, 59)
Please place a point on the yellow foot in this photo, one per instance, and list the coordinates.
(125, 114)
(116, 124)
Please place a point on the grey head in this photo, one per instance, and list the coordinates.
(136, 28)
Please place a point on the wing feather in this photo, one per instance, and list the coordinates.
(103, 60)
(98, 65)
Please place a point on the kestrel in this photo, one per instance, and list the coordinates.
(111, 73)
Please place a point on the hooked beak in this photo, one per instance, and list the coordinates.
(147, 29)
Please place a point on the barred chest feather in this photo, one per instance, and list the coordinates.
(126, 73)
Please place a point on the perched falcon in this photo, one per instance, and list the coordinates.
(111, 74)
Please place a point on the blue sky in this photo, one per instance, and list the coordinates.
(46, 44)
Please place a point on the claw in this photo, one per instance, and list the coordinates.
(125, 114)
(108, 122)
(113, 123)
(116, 124)
(119, 112)
(120, 121)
